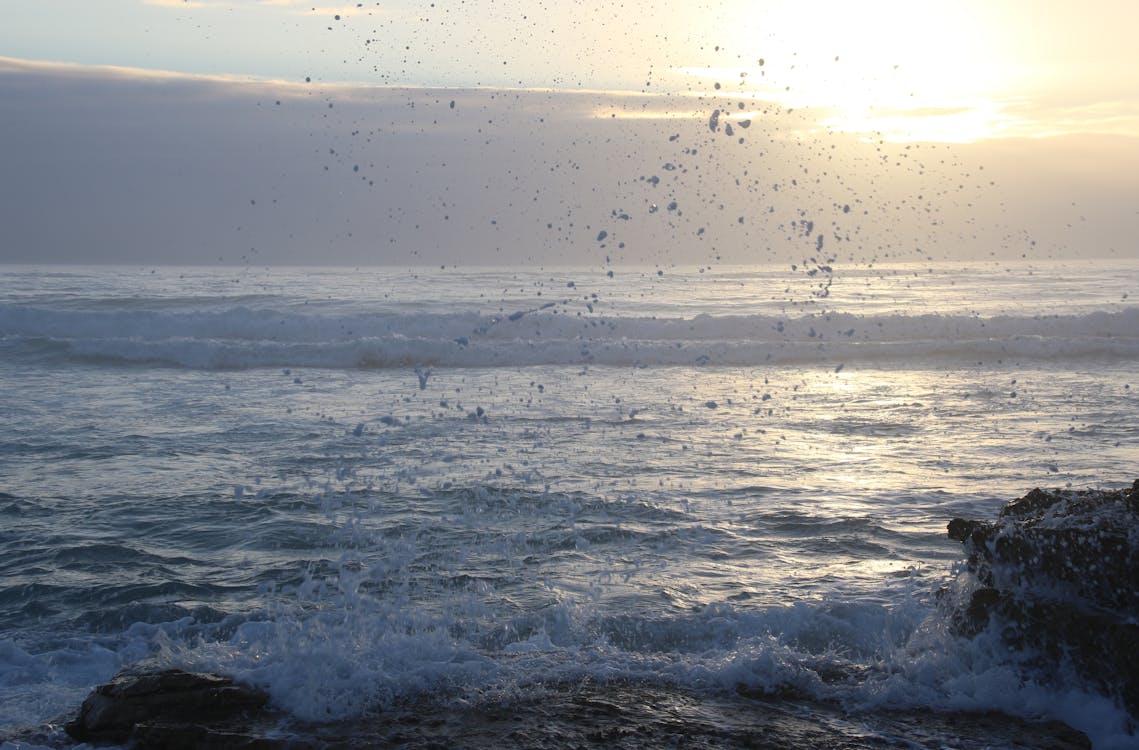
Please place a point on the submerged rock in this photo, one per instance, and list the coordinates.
(171, 709)
(1058, 573)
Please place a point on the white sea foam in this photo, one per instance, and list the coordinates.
(43, 685)
(242, 338)
(343, 663)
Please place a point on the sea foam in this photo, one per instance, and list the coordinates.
(242, 337)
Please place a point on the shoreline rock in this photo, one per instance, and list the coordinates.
(171, 709)
(1058, 574)
(621, 715)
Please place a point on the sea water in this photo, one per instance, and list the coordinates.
(353, 487)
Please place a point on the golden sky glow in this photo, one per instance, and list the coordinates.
(881, 69)
(951, 72)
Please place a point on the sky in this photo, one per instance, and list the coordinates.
(506, 131)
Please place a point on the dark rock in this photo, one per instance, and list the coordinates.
(137, 707)
(162, 736)
(631, 715)
(617, 715)
(1058, 573)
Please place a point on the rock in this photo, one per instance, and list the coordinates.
(1058, 573)
(159, 736)
(632, 715)
(576, 715)
(170, 708)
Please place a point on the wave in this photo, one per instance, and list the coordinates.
(241, 337)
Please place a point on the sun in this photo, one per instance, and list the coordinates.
(905, 70)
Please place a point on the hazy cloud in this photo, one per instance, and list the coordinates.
(119, 165)
(185, 3)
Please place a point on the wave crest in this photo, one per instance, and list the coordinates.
(241, 337)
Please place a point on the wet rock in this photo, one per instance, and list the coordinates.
(620, 715)
(633, 715)
(161, 736)
(171, 709)
(1058, 573)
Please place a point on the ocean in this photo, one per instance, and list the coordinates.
(359, 489)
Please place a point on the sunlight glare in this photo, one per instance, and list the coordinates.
(906, 71)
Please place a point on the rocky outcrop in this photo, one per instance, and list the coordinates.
(1058, 573)
(172, 709)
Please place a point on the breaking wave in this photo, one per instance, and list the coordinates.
(242, 337)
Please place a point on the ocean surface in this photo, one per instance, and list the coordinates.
(358, 487)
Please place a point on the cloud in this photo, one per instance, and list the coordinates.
(347, 10)
(115, 164)
(185, 3)
(342, 10)
(1046, 118)
(299, 7)
(60, 71)
(121, 165)
(865, 106)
